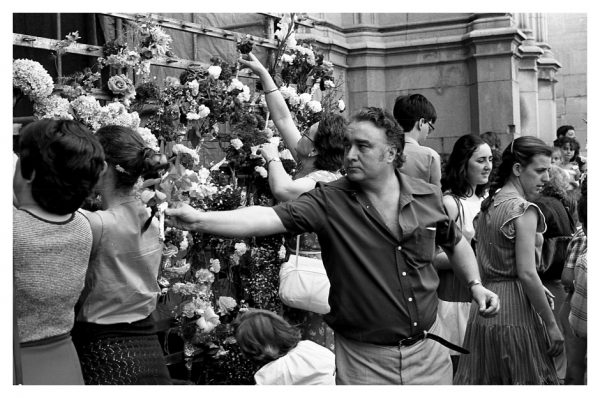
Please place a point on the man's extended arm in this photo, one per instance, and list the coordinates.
(247, 221)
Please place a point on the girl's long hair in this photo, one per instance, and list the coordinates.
(455, 179)
(521, 150)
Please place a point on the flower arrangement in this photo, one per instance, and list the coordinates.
(32, 79)
(122, 87)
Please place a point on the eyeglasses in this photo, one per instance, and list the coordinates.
(431, 128)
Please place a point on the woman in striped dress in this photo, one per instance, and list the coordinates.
(516, 346)
(464, 184)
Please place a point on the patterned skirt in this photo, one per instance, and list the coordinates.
(509, 348)
(123, 360)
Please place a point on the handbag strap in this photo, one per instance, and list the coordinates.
(297, 249)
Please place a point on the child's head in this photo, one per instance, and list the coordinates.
(565, 130)
(264, 336)
(557, 156)
(62, 160)
(126, 154)
(569, 147)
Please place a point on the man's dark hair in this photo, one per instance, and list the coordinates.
(67, 160)
(383, 119)
(408, 109)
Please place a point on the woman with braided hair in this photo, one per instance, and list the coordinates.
(115, 333)
(517, 345)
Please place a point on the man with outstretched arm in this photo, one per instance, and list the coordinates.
(378, 230)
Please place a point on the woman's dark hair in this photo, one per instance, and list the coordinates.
(559, 142)
(562, 130)
(455, 179)
(127, 153)
(491, 138)
(329, 142)
(410, 108)
(385, 120)
(521, 150)
(264, 336)
(67, 160)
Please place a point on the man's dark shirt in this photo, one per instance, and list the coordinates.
(382, 289)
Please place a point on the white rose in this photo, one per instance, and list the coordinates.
(214, 71)
(203, 111)
(236, 143)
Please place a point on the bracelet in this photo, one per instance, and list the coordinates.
(271, 90)
(273, 160)
(473, 283)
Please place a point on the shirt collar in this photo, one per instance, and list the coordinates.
(409, 187)
(410, 140)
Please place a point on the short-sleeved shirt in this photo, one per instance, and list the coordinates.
(383, 288)
(421, 162)
(578, 314)
(577, 245)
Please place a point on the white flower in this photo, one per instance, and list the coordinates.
(203, 111)
(269, 132)
(281, 252)
(304, 98)
(205, 276)
(32, 79)
(215, 265)
(341, 105)
(236, 143)
(291, 42)
(240, 248)
(244, 96)
(52, 107)
(287, 58)
(314, 106)
(203, 175)
(149, 138)
(208, 321)
(329, 84)
(194, 86)
(180, 148)
(262, 171)
(226, 304)
(171, 81)
(214, 71)
(192, 116)
(184, 243)
(294, 100)
(329, 64)
(235, 85)
(288, 91)
(286, 154)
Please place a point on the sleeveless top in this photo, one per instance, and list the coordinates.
(50, 260)
(120, 284)
(468, 208)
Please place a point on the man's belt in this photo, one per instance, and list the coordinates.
(426, 335)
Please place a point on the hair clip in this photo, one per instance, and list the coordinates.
(120, 169)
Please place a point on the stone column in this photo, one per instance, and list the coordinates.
(528, 86)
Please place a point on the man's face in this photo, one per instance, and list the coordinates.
(367, 152)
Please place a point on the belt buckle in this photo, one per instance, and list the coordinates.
(411, 340)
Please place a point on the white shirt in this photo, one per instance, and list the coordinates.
(307, 363)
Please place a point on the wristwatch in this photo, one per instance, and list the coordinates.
(473, 283)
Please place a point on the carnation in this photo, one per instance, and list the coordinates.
(215, 265)
(214, 71)
(244, 96)
(194, 86)
(203, 174)
(235, 85)
(262, 171)
(32, 79)
(240, 248)
(314, 106)
(287, 58)
(236, 143)
(192, 116)
(203, 111)
(304, 98)
(52, 107)
(149, 138)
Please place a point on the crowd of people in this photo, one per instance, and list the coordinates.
(470, 273)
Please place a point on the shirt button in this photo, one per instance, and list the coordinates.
(415, 324)
(404, 274)
(410, 299)
(399, 247)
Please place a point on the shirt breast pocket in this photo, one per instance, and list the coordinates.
(419, 247)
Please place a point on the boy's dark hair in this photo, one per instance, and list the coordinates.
(562, 130)
(67, 160)
(329, 142)
(408, 109)
(383, 119)
(264, 336)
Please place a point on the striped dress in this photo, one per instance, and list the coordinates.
(509, 348)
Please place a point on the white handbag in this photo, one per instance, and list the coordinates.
(303, 283)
